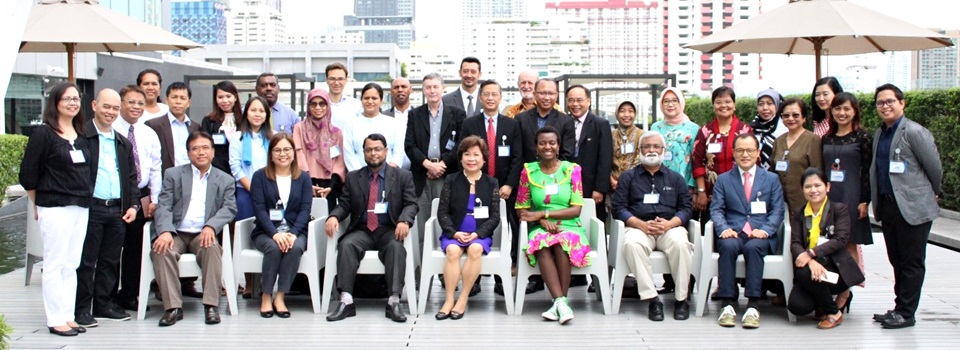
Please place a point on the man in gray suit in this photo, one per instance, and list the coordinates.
(195, 202)
(466, 97)
(905, 177)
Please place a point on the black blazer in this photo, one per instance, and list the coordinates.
(129, 189)
(596, 154)
(398, 184)
(453, 204)
(508, 133)
(265, 194)
(528, 130)
(417, 141)
(161, 125)
(221, 155)
(835, 224)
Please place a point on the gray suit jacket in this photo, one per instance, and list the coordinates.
(917, 187)
(455, 99)
(221, 203)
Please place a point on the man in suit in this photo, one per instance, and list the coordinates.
(146, 157)
(467, 96)
(381, 203)
(196, 201)
(430, 143)
(594, 147)
(282, 116)
(505, 152)
(400, 95)
(905, 179)
(342, 108)
(747, 209)
(525, 82)
(116, 199)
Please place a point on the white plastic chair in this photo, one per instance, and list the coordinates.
(319, 208)
(189, 267)
(775, 266)
(497, 262)
(658, 259)
(248, 259)
(34, 240)
(597, 256)
(369, 265)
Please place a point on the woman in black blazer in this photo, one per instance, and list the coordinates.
(282, 196)
(820, 231)
(221, 123)
(469, 212)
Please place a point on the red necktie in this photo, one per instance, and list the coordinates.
(747, 188)
(491, 148)
(372, 220)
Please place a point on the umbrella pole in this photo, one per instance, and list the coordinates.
(71, 57)
(817, 48)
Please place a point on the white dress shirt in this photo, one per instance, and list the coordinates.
(466, 101)
(195, 217)
(344, 111)
(148, 150)
(164, 110)
(180, 132)
(360, 127)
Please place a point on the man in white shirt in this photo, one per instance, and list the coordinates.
(400, 95)
(466, 97)
(343, 108)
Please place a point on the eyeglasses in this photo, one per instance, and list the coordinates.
(653, 147)
(888, 102)
(282, 150)
(70, 99)
(135, 103)
(745, 151)
(337, 79)
(317, 104)
(792, 115)
(546, 93)
(373, 150)
(671, 102)
(577, 100)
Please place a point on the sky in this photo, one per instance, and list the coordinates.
(792, 74)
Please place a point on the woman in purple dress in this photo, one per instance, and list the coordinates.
(469, 212)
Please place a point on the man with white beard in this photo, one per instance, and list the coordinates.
(655, 205)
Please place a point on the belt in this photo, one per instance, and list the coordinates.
(434, 160)
(106, 202)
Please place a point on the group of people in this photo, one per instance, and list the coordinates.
(97, 183)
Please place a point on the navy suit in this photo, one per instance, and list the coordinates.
(265, 195)
(730, 209)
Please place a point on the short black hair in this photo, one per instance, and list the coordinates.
(149, 71)
(179, 85)
(543, 80)
(264, 75)
(547, 129)
(491, 82)
(198, 135)
(471, 59)
(578, 86)
(374, 86)
(747, 135)
(376, 137)
(812, 171)
(896, 91)
(723, 90)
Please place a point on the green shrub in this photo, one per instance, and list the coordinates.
(11, 154)
(5, 331)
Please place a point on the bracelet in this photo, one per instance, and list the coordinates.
(546, 215)
(811, 253)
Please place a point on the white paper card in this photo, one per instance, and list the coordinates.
(781, 165)
(714, 147)
(898, 167)
(758, 207)
(822, 240)
(481, 212)
(450, 144)
(219, 139)
(552, 189)
(380, 208)
(651, 198)
(626, 148)
(836, 175)
(667, 155)
(503, 151)
(276, 215)
(334, 151)
(830, 277)
(77, 156)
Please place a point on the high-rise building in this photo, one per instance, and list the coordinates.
(146, 11)
(479, 9)
(340, 37)
(383, 21)
(257, 22)
(551, 47)
(203, 21)
(937, 68)
(898, 69)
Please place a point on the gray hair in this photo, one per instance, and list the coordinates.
(434, 76)
(651, 133)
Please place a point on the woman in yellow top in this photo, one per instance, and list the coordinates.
(823, 266)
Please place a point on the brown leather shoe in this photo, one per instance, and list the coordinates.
(830, 322)
(170, 317)
(211, 315)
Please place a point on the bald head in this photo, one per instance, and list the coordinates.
(106, 108)
(525, 82)
(400, 92)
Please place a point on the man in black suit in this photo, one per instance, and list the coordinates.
(430, 143)
(381, 204)
(505, 152)
(467, 96)
(594, 148)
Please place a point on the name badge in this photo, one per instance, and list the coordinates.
(450, 144)
(481, 212)
(781, 165)
(667, 155)
(715, 147)
(334, 151)
(897, 167)
(651, 198)
(503, 151)
(219, 139)
(836, 175)
(758, 207)
(626, 148)
(552, 189)
(380, 208)
(77, 156)
(276, 214)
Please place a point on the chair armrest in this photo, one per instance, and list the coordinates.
(597, 236)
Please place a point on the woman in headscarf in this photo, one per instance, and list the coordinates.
(319, 147)
(766, 125)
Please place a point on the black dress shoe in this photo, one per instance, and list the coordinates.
(476, 288)
(591, 288)
(111, 313)
(85, 320)
(498, 288)
(70, 333)
(440, 316)
(283, 314)
(266, 314)
(883, 316)
(128, 304)
(655, 312)
(897, 320)
(457, 315)
(343, 311)
(578, 280)
(211, 315)
(395, 314)
(170, 317)
(681, 310)
(80, 329)
(533, 287)
(190, 290)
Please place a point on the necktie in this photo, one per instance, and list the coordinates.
(470, 105)
(577, 128)
(136, 154)
(372, 219)
(747, 189)
(491, 148)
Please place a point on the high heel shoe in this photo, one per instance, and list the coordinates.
(846, 307)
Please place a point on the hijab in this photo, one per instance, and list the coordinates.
(683, 116)
(765, 130)
(320, 135)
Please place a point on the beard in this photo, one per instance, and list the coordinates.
(651, 159)
(375, 164)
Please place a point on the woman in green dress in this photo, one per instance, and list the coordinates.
(549, 200)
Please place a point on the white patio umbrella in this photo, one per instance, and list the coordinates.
(85, 26)
(818, 27)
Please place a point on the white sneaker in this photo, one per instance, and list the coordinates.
(751, 318)
(551, 313)
(564, 311)
(728, 316)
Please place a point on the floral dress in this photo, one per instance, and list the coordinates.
(533, 196)
(679, 139)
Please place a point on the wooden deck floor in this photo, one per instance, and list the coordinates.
(487, 326)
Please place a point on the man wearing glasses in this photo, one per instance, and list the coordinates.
(343, 108)
(747, 209)
(593, 150)
(905, 180)
(654, 204)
